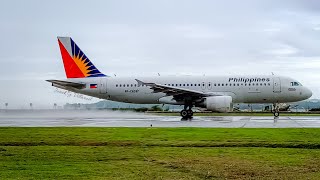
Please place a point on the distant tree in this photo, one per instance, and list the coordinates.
(142, 109)
(155, 108)
(315, 109)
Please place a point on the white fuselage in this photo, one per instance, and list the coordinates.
(242, 89)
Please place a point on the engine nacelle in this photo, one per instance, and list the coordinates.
(219, 103)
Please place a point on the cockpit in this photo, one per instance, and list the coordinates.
(295, 84)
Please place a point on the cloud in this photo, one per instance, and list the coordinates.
(142, 37)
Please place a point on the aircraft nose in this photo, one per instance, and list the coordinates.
(308, 93)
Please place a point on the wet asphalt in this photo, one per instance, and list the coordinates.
(54, 118)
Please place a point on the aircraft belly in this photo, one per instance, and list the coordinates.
(138, 98)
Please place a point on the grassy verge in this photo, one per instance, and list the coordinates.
(159, 153)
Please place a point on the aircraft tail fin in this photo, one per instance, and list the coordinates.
(76, 63)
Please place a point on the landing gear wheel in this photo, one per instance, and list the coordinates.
(190, 113)
(184, 114)
(276, 114)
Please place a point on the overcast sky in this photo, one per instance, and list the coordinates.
(130, 38)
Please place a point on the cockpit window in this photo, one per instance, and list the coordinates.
(295, 84)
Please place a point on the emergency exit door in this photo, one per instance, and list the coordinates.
(103, 85)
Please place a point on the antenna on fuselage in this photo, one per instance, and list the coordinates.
(115, 75)
(158, 74)
(272, 73)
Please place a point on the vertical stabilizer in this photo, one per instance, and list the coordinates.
(76, 63)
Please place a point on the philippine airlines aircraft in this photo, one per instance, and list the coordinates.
(210, 92)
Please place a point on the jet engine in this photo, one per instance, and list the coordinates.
(219, 103)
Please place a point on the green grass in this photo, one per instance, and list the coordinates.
(159, 153)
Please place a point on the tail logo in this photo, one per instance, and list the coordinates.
(76, 63)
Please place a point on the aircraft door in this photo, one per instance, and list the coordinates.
(276, 85)
(103, 86)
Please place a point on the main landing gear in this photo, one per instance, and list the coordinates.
(187, 113)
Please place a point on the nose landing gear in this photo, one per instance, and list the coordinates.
(275, 110)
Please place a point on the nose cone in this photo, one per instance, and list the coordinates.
(307, 93)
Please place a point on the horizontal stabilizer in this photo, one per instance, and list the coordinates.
(66, 84)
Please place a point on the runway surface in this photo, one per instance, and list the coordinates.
(17, 118)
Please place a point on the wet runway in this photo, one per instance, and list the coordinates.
(46, 118)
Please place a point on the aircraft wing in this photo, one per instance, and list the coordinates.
(67, 84)
(174, 91)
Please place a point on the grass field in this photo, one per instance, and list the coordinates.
(159, 153)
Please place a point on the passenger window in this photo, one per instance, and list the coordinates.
(222, 84)
(187, 84)
(131, 85)
(218, 84)
(237, 84)
(120, 85)
(184, 84)
(176, 84)
(195, 84)
(191, 84)
(215, 84)
(135, 85)
(116, 85)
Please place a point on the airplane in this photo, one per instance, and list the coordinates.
(214, 93)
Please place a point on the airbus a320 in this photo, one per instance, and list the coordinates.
(214, 93)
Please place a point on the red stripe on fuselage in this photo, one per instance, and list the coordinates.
(71, 68)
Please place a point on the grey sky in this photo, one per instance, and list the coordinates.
(130, 38)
